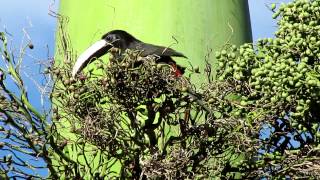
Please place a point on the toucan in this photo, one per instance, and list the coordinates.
(123, 40)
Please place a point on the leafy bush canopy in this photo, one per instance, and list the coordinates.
(277, 84)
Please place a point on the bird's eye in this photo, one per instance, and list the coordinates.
(109, 38)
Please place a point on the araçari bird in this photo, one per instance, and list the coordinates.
(122, 40)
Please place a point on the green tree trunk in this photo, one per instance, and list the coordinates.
(191, 27)
(197, 26)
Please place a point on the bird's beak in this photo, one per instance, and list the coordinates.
(95, 51)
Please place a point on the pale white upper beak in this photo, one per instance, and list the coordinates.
(88, 55)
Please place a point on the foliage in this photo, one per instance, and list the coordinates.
(24, 132)
(137, 116)
(277, 82)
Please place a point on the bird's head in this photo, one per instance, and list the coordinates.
(116, 38)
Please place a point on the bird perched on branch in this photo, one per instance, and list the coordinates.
(122, 40)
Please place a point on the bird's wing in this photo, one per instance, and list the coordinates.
(149, 49)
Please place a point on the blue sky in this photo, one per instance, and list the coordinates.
(33, 16)
(262, 23)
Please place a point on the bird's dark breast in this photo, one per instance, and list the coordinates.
(164, 54)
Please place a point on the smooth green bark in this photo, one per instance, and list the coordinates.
(196, 26)
(193, 27)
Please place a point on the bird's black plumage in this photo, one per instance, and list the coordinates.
(123, 40)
